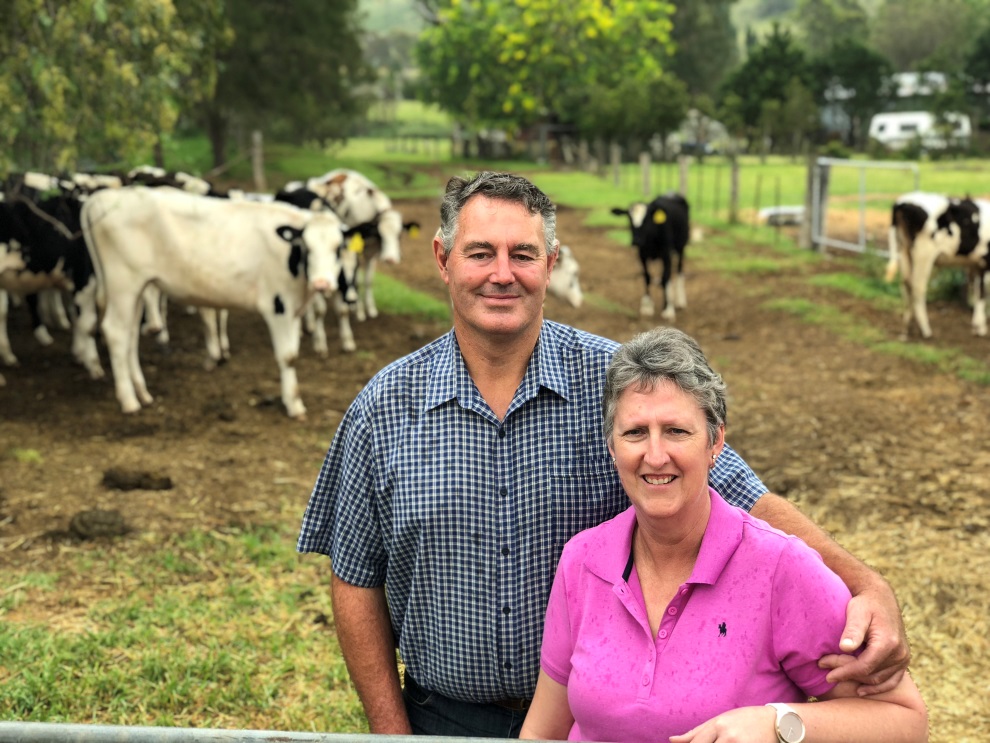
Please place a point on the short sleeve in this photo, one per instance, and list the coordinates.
(809, 614)
(735, 481)
(341, 519)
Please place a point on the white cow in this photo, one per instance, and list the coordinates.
(206, 252)
(565, 283)
(929, 230)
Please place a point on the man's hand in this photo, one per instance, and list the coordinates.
(872, 616)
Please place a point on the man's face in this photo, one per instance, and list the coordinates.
(498, 269)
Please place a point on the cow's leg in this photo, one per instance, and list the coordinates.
(367, 291)
(84, 348)
(316, 309)
(40, 332)
(286, 329)
(223, 316)
(210, 330)
(6, 353)
(920, 276)
(680, 294)
(978, 286)
(121, 327)
(907, 315)
(668, 312)
(153, 322)
(52, 309)
(646, 303)
(344, 323)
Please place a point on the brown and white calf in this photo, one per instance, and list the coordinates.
(270, 258)
(929, 230)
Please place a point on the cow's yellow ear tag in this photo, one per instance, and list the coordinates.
(659, 216)
(414, 231)
(356, 244)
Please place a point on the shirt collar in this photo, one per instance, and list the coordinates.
(449, 378)
(608, 553)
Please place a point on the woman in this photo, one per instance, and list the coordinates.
(685, 619)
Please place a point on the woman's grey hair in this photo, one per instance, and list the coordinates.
(664, 355)
(500, 186)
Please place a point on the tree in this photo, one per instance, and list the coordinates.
(916, 34)
(512, 63)
(705, 45)
(94, 81)
(824, 23)
(294, 70)
(977, 73)
(761, 82)
(855, 78)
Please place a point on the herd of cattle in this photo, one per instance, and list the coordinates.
(122, 246)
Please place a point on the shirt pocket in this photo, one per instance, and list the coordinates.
(583, 493)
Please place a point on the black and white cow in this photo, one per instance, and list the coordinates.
(929, 230)
(270, 258)
(364, 207)
(42, 250)
(660, 232)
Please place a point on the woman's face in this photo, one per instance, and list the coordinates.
(661, 449)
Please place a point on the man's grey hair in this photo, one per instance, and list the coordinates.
(664, 355)
(501, 187)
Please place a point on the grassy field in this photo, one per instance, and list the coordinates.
(256, 644)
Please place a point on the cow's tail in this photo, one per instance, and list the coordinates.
(86, 218)
(893, 242)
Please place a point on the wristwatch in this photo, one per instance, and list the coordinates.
(789, 725)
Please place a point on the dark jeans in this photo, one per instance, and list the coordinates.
(434, 714)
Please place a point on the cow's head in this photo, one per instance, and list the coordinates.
(314, 250)
(564, 280)
(390, 229)
(966, 214)
(637, 215)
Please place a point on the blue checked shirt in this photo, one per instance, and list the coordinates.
(463, 517)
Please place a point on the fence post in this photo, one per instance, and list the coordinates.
(258, 161)
(682, 163)
(645, 164)
(734, 190)
(615, 157)
(804, 234)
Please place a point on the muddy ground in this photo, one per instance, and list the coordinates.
(887, 454)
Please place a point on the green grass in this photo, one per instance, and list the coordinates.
(395, 298)
(204, 629)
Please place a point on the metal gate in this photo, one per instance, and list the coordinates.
(819, 198)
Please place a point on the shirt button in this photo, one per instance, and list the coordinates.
(662, 635)
(646, 679)
(684, 591)
(506, 609)
(507, 666)
(503, 491)
(501, 433)
(505, 551)
(672, 610)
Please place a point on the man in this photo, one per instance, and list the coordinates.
(459, 472)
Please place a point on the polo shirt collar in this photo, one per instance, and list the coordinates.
(449, 378)
(609, 552)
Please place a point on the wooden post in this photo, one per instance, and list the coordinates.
(615, 157)
(258, 161)
(645, 163)
(734, 190)
(682, 162)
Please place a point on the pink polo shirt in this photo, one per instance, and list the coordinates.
(747, 628)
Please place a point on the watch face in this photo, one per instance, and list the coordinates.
(791, 728)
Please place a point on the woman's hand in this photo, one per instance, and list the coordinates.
(742, 725)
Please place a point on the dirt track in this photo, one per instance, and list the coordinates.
(887, 454)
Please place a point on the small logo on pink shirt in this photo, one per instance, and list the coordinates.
(721, 630)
